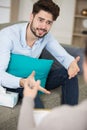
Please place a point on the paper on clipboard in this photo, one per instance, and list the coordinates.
(40, 114)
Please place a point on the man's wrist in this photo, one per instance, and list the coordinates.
(22, 81)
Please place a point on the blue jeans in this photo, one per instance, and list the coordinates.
(59, 77)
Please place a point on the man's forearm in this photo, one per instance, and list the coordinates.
(9, 80)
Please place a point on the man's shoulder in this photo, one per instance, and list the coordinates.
(13, 27)
(20, 24)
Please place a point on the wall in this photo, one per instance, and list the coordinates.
(5, 11)
(25, 9)
(63, 27)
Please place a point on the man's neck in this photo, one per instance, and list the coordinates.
(30, 38)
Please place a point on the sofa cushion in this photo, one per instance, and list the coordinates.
(76, 51)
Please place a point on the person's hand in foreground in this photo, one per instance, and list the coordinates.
(31, 86)
(73, 68)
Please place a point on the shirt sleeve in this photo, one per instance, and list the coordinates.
(59, 52)
(6, 79)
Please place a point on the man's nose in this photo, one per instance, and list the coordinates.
(44, 25)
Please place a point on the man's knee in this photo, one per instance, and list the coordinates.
(63, 73)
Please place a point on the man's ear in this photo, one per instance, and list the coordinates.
(31, 17)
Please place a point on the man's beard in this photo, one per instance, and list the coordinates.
(34, 31)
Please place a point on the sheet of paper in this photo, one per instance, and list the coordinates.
(40, 114)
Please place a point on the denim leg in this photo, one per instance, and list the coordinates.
(38, 102)
(56, 78)
(59, 77)
(70, 91)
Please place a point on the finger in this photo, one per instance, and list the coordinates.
(70, 77)
(44, 90)
(77, 58)
(38, 82)
(32, 74)
(73, 72)
(73, 75)
(78, 69)
(34, 84)
(31, 77)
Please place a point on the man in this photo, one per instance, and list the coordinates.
(30, 39)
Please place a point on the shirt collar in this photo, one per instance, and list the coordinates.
(23, 36)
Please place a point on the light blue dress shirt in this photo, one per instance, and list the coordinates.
(13, 40)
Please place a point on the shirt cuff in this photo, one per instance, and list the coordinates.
(69, 61)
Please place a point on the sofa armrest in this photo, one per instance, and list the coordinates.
(74, 51)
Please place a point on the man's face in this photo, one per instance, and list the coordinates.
(41, 23)
(85, 69)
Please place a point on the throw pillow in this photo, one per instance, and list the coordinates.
(22, 66)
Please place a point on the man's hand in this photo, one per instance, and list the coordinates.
(31, 86)
(73, 68)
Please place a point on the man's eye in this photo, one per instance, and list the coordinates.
(40, 20)
(49, 23)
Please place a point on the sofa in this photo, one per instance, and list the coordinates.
(9, 116)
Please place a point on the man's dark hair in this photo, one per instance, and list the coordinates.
(46, 5)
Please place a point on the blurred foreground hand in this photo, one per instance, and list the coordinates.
(31, 86)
